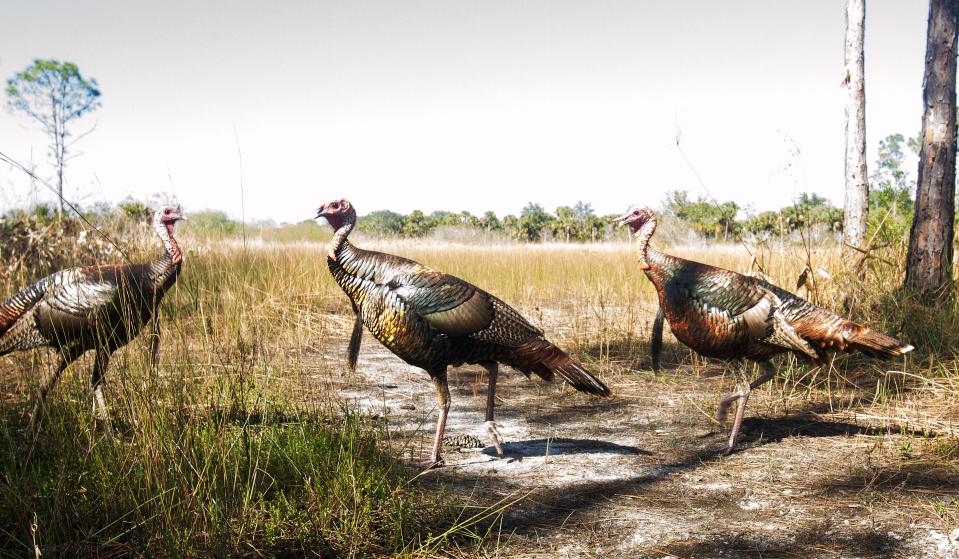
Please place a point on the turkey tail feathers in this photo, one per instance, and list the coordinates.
(17, 305)
(656, 340)
(353, 350)
(546, 360)
(581, 379)
(874, 344)
(14, 333)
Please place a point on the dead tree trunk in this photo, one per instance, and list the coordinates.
(857, 188)
(929, 263)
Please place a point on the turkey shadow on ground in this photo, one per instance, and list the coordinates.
(758, 431)
(862, 543)
(517, 450)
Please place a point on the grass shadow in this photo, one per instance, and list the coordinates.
(931, 478)
(550, 507)
(810, 543)
(757, 431)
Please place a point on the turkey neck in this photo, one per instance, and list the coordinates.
(642, 236)
(339, 245)
(346, 263)
(659, 267)
(163, 270)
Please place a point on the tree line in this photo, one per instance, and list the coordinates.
(890, 212)
(577, 223)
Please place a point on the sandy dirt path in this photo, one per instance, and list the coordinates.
(640, 475)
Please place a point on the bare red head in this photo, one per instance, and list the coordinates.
(337, 212)
(636, 218)
(165, 218)
(163, 221)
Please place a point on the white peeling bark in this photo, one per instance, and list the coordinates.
(857, 188)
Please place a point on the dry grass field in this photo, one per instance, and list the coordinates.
(253, 440)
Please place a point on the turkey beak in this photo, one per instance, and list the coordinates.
(319, 212)
(622, 220)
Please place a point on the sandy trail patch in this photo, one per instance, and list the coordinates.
(639, 474)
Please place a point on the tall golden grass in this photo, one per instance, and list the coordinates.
(237, 446)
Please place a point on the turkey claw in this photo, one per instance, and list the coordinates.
(431, 464)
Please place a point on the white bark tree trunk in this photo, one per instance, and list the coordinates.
(857, 188)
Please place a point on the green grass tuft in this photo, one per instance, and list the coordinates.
(233, 481)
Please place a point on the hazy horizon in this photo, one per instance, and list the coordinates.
(461, 106)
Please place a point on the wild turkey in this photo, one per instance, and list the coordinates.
(93, 307)
(434, 320)
(722, 314)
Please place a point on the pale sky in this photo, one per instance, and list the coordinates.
(460, 105)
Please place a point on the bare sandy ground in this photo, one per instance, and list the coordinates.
(640, 475)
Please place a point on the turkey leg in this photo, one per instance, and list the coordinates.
(729, 399)
(443, 397)
(45, 388)
(100, 364)
(743, 396)
(155, 344)
(495, 438)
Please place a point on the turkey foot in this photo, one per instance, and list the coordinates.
(495, 438)
(723, 411)
(431, 464)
